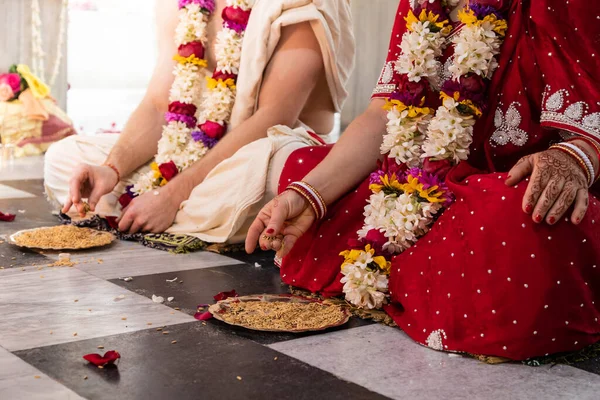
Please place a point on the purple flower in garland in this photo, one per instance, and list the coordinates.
(470, 87)
(483, 10)
(208, 5)
(200, 136)
(129, 191)
(239, 28)
(186, 119)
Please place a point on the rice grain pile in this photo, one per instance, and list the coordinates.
(63, 237)
(283, 316)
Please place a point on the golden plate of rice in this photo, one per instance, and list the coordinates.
(279, 313)
(62, 237)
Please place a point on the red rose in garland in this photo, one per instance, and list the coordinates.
(236, 15)
(178, 107)
(213, 129)
(168, 170)
(195, 48)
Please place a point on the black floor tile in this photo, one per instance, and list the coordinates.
(591, 365)
(203, 364)
(13, 257)
(264, 258)
(199, 286)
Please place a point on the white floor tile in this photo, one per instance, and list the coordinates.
(9, 193)
(18, 381)
(22, 168)
(133, 259)
(386, 361)
(49, 306)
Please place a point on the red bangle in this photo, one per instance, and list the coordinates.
(589, 141)
(111, 166)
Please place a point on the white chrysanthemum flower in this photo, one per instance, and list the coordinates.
(363, 288)
(144, 184)
(243, 4)
(228, 51)
(186, 87)
(217, 104)
(420, 49)
(450, 134)
(192, 25)
(475, 48)
(404, 137)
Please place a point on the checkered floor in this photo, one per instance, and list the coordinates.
(50, 317)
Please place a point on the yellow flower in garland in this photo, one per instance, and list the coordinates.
(213, 83)
(469, 18)
(430, 17)
(192, 59)
(468, 104)
(413, 111)
(157, 174)
(414, 186)
(352, 256)
(39, 89)
(387, 182)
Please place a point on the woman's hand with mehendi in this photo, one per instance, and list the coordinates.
(556, 181)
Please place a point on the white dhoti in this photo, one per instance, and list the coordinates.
(222, 207)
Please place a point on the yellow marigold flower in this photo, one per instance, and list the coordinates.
(390, 182)
(413, 111)
(469, 18)
(212, 83)
(413, 186)
(192, 59)
(467, 103)
(424, 17)
(383, 264)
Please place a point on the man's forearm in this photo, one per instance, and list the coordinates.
(138, 142)
(251, 130)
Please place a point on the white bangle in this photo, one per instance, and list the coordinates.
(585, 158)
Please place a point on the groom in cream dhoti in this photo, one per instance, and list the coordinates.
(252, 81)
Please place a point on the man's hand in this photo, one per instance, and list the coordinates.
(91, 182)
(152, 212)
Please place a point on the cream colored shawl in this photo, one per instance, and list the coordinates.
(220, 208)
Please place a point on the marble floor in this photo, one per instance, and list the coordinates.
(51, 316)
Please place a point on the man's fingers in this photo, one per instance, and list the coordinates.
(126, 220)
(520, 171)
(582, 200)
(67, 206)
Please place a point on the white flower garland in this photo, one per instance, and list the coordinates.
(402, 208)
(178, 143)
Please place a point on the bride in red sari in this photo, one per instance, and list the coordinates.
(510, 267)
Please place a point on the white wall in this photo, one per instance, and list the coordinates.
(112, 52)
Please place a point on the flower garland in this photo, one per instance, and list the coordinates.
(420, 146)
(194, 124)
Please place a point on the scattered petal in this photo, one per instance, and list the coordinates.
(21, 211)
(225, 295)
(7, 217)
(126, 279)
(239, 378)
(170, 298)
(203, 316)
(172, 280)
(37, 377)
(100, 361)
(158, 299)
(174, 341)
(257, 265)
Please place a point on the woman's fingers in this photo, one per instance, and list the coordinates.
(256, 229)
(522, 169)
(279, 214)
(582, 199)
(537, 183)
(288, 242)
(562, 204)
(547, 199)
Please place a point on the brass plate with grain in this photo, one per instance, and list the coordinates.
(279, 313)
(61, 237)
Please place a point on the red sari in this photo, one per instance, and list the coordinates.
(486, 279)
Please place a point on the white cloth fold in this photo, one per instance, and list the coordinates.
(221, 208)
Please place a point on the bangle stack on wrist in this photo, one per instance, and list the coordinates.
(581, 158)
(594, 145)
(311, 195)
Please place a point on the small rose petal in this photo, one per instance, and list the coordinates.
(257, 265)
(7, 217)
(126, 279)
(225, 295)
(203, 316)
(170, 298)
(112, 221)
(108, 358)
(158, 299)
(21, 211)
(171, 280)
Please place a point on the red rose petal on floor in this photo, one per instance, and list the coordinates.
(225, 295)
(108, 358)
(203, 316)
(125, 199)
(7, 217)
